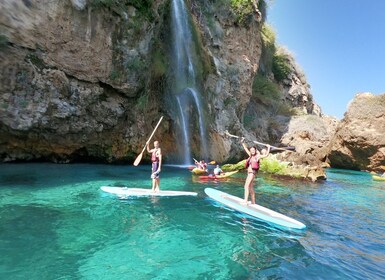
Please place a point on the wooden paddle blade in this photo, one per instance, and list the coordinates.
(138, 159)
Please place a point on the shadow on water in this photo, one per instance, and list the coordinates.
(18, 180)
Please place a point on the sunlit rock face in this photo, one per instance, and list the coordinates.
(86, 82)
(359, 142)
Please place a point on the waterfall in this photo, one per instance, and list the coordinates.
(184, 122)
(184, 84)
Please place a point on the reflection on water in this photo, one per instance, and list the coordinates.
(55, 223)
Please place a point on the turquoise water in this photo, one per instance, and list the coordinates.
(57, 224)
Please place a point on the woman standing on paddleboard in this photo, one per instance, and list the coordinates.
(156, 158)
(252, 165)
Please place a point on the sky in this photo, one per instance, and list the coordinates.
(339, 44)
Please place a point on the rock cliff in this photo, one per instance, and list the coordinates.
(359, 141)
(72, 77)
(85, 80)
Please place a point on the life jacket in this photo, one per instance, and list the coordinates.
(154, 157)
(254, 163)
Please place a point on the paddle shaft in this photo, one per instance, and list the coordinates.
(139, 157)
(260, 143)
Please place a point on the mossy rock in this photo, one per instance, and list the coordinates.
(232, 167)
(268, 165)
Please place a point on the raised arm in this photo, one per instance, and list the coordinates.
(267, 152)
(148, 148)
(245, 147)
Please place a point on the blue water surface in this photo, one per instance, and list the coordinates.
(56, 223)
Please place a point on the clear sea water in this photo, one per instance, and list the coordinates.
(56, 223)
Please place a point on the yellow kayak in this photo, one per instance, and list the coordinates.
(216, 177)
(198, 171)
(378, 178)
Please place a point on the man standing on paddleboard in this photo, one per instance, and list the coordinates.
(156, 158)
(252, 166)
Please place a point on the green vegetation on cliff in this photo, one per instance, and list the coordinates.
(265, 90)
(244, 8)
(273, 60)
(281, 66)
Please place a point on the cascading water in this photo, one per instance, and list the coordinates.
(184, 85)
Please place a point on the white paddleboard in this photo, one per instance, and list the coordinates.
(254, 210)
(143, 192)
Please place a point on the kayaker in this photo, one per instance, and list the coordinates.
(156, 158)
(217, 170)
(252, 165)
(201, 164)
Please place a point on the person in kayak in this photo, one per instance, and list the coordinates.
(201, 164)
(156, 158)
(217, 170)
(252, 165)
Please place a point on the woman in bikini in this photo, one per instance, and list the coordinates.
(252, 165)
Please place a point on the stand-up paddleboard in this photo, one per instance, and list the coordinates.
(254, 210)
(143, 192)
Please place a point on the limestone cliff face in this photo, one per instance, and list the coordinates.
(82, 81)
(70, 82)
(359, 141)
(236, 100)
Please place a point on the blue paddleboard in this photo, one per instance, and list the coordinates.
(253, 210)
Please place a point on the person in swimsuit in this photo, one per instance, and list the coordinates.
(252, 165)
(156, 158)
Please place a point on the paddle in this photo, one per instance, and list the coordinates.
(290, 149)
(139, 157)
